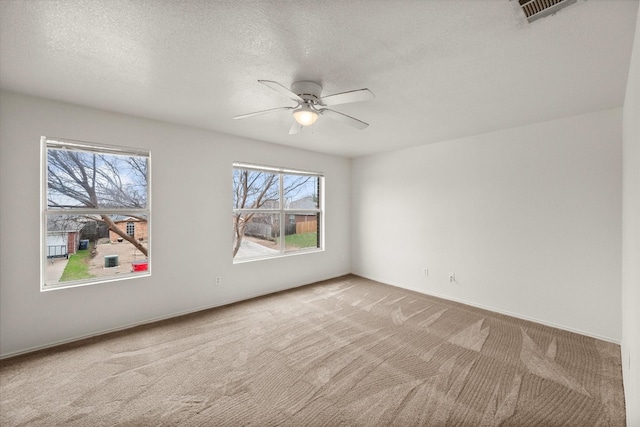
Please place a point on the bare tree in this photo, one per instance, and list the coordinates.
(252, 190)
(90, 180)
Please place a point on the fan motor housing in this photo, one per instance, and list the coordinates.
(309, 91)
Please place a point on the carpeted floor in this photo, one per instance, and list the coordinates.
(347, 351)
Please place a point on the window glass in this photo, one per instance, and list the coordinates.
(303, 233)
(253, 189)
(96, 213)
(82, 179)
(301, 192)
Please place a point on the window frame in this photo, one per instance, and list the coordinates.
(284, 212)
(46, 212)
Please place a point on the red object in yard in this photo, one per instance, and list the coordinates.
(140, 265)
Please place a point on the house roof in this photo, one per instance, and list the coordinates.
(308, 202)
(126, 219)
(62, 224)
(440, 70)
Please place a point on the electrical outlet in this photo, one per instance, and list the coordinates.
(218, 281)
(425, 271)
(452, 277)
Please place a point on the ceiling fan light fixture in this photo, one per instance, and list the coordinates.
(311, 104)
(305, 116)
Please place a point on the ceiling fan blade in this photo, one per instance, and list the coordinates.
(348, 97)
(344, 118)
(295, 128)
(281, 89)
(257, 113)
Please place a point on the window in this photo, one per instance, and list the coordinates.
(275, 212)
(95, 215)
(131, 229)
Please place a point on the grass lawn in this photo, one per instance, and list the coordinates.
(77, 267)
(304, 240)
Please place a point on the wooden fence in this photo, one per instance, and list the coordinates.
(307, 227)
(261, 230)
(266, 231)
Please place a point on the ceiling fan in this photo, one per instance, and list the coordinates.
(311, 105)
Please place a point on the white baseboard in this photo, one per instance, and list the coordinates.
(155, 319)
(284, 288)
(496, 310)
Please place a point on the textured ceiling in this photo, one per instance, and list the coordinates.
(439, 69)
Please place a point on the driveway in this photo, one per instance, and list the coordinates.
(249, 249)
(54, 269)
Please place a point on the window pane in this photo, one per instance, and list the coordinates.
(302, 232)
(255, 235)
(255, 190)
(81, 247)
(94, 180)
(300, 192)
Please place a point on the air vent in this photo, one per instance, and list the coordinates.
(111, 261)
(536, 9)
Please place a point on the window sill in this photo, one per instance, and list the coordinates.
(95, 281)
(285, 255)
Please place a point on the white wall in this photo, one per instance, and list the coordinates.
(191, 240)
(631, 237)
(528, 219)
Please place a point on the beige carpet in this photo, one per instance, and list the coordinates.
(346, 352)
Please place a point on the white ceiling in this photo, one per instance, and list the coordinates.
(439, 69)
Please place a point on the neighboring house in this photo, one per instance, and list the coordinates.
(134, 227)
(62, 239)
(297, 223)
(304, 223)
(309, 202)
